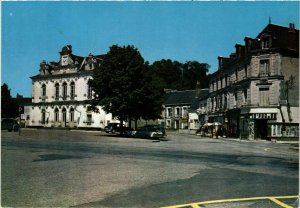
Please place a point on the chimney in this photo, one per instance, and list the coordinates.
(292, 37)
(238, 50)
(248, 44)
(220, 59)
(292, 27)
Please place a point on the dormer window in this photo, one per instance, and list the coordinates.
(64, 60)
(266, 42)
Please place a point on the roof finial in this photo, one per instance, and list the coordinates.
(270, 22)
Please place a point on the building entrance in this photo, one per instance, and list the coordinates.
(261, 128)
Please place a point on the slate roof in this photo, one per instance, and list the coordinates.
(185, 97)
(204, 93)
(281, 36)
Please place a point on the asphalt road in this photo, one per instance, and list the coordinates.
(57, 168)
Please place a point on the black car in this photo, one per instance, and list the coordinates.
(116, 128)
(150, 131)
(112, 127)
(9, 124)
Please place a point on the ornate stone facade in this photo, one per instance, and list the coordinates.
(61, 94)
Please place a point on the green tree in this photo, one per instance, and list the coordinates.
(179, 76)
(194, 71)
(9, 106)
(120, 85)
(168, 72)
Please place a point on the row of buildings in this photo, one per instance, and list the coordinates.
(254, 92)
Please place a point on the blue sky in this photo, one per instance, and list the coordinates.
(182, 31)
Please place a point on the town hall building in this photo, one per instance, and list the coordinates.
(61, 95)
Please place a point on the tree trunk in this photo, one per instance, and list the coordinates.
(129, 120)
(135, 124)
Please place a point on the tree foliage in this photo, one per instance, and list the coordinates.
(9, 106)
(124, 86)
(181, 76)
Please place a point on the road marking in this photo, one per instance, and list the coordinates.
(280, 203)
(272, 198)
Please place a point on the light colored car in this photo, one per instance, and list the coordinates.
(148, 132)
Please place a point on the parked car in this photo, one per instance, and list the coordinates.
(149, 132)
(112, 127)
(116, 128)
(9, 124)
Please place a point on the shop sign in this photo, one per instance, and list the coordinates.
(263, 116)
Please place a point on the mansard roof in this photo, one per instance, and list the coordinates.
(203, 94)
(282, 37)
(73, 64)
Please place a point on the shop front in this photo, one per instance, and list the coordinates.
(256, 123)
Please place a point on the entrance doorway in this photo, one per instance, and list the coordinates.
(261, 128)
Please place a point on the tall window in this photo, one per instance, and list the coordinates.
(235, 99)
(169, 112)
(43, 116)
(56, 115)
(72, 86)
(64, 90)
(184, 112)
(263, 96)
(245, 95)
(177, 112)
(264, 68)
(89, 116)
(89, 92)
(43, 90)
(71, 115)
(64, 115)
(56, 91)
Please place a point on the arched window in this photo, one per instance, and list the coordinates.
(72, 86)
(43, 90)
(56, 91)
(43, 116)
(64, 90)
(56, 115)
(72, 115)
(89, 91)
(64, 115)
